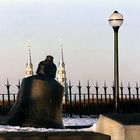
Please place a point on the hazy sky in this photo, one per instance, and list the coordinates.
(87, 38)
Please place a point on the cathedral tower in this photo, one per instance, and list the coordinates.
(29, 65)
(61, 72)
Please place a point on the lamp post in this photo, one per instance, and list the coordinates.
(116, 20)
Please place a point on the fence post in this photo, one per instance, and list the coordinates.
(129, 90)
(14, 98)
(121, 88)
(97, 89)
(3, 104)
(113, 89)
(70, 87)
(105, 92)
(97, 99)
(88, 91)
(79, 88)
(137, 90)
(18, 85)
(8, 92)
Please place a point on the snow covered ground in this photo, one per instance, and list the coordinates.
(79, 121)
(67, 122)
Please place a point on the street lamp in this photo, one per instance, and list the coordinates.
(116, 20)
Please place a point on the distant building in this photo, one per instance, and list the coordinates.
(29, 65)
(61, 73)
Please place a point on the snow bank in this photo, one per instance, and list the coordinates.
(66, 121)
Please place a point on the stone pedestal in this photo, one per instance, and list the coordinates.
(120, 126)
(82, 135)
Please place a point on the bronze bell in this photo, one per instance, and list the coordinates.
(39, 101)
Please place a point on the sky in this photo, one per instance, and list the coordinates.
(87, 38)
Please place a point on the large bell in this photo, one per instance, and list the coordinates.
(39, 101)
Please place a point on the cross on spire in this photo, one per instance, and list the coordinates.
(29, 65)
(61, 58)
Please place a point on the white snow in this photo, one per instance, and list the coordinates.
(79, 121)
(66, 121)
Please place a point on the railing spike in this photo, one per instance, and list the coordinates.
(129, 86)
(137, 86)
(79, 85)
(7, 84)
(121, 84)
(69, 83)
(88, 83)
(18, 85)
(96, 84)
(105, 85)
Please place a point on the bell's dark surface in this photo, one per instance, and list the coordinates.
(39, 102)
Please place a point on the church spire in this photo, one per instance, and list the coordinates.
(61, 58)
(61, 72)
(29, 65)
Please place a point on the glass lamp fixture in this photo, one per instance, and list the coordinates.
(116, 19)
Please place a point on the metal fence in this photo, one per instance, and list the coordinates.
(98, 103)
(87, 103)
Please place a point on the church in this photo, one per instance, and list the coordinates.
(61, 71)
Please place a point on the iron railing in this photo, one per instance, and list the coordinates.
(88, 103)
